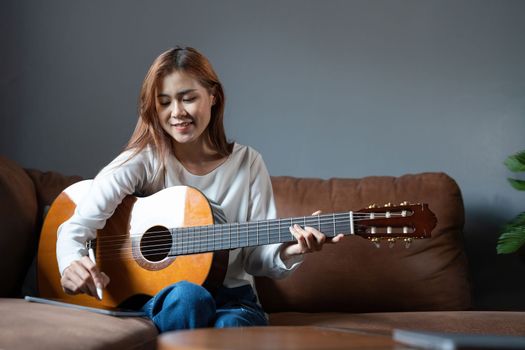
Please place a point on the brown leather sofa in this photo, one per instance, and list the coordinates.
(351, 285)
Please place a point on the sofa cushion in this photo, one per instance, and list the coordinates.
(355, 276)
(18, 215)
(39, 326)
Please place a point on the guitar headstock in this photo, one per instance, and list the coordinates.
(402, 222)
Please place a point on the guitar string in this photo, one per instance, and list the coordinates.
(161, 243)
(197, 245)
(127, 252)
(269, 223)
(128, 255)
(225, 242)
(193, 235)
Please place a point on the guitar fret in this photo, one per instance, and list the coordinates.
(214, 239)
(188, 240)
(238, 243)
(193, 241)
(209, 235)
(202, 238)
(229, 236)
(242, 243)
(180, 241)
(268, 230)
(196, 233)
(173, 248)
(279, 221)
(224, 237)
(199, 239)
(249, 227)
(217, 238)
(208, 239)
(177, 241)
(183, 239)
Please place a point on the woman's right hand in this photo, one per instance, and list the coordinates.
(83, 276)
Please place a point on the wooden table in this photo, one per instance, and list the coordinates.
(287, 338)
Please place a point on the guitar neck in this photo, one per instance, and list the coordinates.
(200, 239)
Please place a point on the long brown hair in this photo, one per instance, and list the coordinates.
(149, 131)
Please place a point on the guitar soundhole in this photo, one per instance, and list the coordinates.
(156, 243)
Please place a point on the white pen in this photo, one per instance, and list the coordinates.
(92, 257)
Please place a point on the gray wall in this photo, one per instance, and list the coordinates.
(320, 88)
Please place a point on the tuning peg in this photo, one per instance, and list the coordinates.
(376, 242)
(372, 206)
(407, 241)
(403, 203)
(388, 205)
(391, 242)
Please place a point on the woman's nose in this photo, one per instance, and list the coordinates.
(178, 109)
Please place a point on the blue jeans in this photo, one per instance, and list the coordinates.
(185, 305)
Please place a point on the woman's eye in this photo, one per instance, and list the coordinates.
(189, 99)
(164, 103)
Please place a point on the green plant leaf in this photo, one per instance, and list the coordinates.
(518, 221)
(510, 242)
(516, 162)
(513, 236)
(517, 184)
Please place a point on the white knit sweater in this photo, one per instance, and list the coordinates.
(240, 186)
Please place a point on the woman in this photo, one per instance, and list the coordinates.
(180, 140)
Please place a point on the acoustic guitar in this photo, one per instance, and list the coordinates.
(151, 242)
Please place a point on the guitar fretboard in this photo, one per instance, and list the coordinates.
(200, 239)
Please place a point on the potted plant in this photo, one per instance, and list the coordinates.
(513, 233)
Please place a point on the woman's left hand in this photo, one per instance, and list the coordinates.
(308, 240)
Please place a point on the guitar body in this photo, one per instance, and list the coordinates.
(125, 247)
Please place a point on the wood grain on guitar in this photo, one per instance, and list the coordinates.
(151, 242)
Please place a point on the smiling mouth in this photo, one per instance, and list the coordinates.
(178, 123)
(182, 125)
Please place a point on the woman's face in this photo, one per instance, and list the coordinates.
(184, 107)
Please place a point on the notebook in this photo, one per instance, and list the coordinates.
(105, 310)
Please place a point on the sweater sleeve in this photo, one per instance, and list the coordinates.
(122, 177)
(264, 260)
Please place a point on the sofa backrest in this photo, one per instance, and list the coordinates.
(354, 275)
(350, 276)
